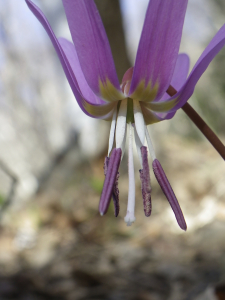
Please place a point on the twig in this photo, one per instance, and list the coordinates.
(200, 123)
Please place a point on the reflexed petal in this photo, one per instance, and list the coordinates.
(158, 49)
(72, 58)
(180, 74)
(92, 48)
(179, 77)
(66, 65)
(207, 56)
(168, 191)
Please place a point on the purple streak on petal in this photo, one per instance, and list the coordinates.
(168, 191)
(179, 77)
(63, 59)
(216, 44)
(115, 193)
(159, 44)
(110, 179)
(72, 58)
(145, 182)
(91, 43)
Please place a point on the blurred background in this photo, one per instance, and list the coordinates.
(53, 243)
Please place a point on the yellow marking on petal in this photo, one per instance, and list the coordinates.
(109, 92)
(99, 110)
(145, 93)
(164, 106)
(149, 116)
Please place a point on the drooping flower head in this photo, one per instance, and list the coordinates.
(141, 98)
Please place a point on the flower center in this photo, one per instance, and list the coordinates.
(128, 113)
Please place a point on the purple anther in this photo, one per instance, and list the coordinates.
(106, 163)
(145, 182)
(169, 193)
(115, 193)
(111, 170)
(115, 196)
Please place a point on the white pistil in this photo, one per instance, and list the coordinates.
(129, 218)
(139, 121)
(121, 124)
(112, 130)
(138, 146)
(150, 145)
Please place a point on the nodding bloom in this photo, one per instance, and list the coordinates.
(141, 98)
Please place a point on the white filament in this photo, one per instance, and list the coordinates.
(139, 121)
(124, 143)
(121, 124)
(130, 218)
(150, 145)
(138, 146)
(112, 130)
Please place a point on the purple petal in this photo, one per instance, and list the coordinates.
(91, 44)
(179, 77)
(168, 191)
(102, 112)
(111, 175)
(145, 182)
(180, 74)
(72, 58)
(216, 44)
(159, 46)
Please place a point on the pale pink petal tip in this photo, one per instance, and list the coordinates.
(111, 167)
(168, 191)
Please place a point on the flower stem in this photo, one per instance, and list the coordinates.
(200, 123)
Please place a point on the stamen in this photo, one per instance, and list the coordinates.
(111, 175)
(130, 218)
(169, 193)
(121, 124)
(124, 142)
(150, 145)
(115, 196)
(106, 164)
(115, 193)
(145, 182)
(112, 130)
(138, 146)
(139, 121)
